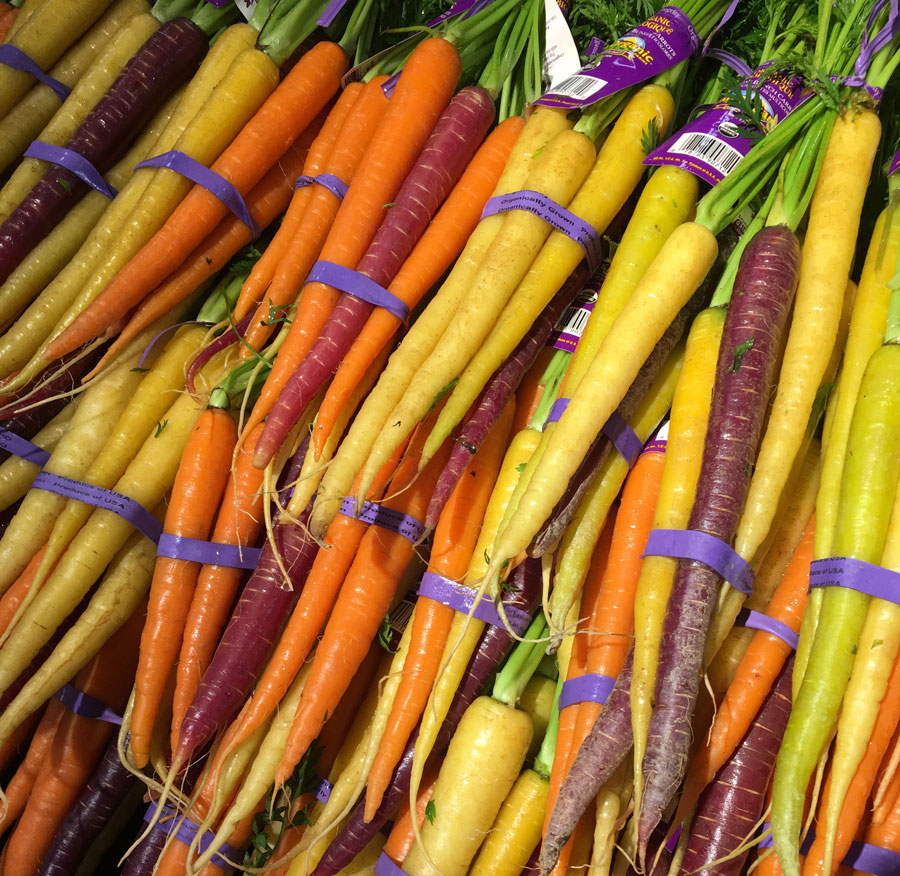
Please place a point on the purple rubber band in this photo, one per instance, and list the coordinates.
(384, 866)
(210, 553)
(559, 406)
(861, 856)
(856, 575)
(336, 186)
(722, 22)
(177, 325)
(196, 172)
(323, 791)
(690, 544)
(71, 161)
(739, 66)
(14, 57)
(85, 705)
(672, 841)
(623, 438)
(185, 830)
(587, 688)
(330, 13)
(460, 598)
(22, 447)
(358, 285)
(869, 47)
(386, 518)
(758, 621)
(657, 445)
(583, 233)
(107, 500)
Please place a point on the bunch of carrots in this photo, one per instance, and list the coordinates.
(357, 516)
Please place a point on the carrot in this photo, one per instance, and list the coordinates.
(454, 541)
(13, 597)
(287, 112)
(196, 492)
(7, 18)
(442, 241)
(401, 837)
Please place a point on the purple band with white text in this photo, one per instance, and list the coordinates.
(14, 57)
(461, 598)
(196, 172)
(210, 553)
(587, 688)
(22, 447)
(856, 575)
(323, 791)
(690, 544)
(336, 186)
(85, 705)
(358, 285)
(71, 161)
(185, 830)
(386, 518)
(758, 621)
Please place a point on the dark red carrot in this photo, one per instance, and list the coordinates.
(222, 342)
(739, 789)
(524, 593)
(444, 157)
(503, 383)
(163, 63)
(745, 375)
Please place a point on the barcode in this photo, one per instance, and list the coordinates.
(578, 86)
(721, 155)
(573, 321)
(401, 614)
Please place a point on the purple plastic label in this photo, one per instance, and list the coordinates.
(661, 42)
(210, 553)
(571, 324)
(595, 46)
(712, 145)
(856, 575)
(384, 866)
(336, 186)
(587, 688)
(758, 621)
(655, 446)
(559, 407)
(557, 216)
(193, 170)
(107, 500)
(358, 285)
(14, 57)
(185, 830)
(461, 598)
(73, 162)
(623, 437)
(22, 447)
(85, 705)
(895, 163)
(690, 544)
(386, 518)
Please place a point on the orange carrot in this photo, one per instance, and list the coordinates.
(7, 17)
(884, 833)
(442, 241)
(401, 837)
(18, 740)
(239, 523)
(302, 94)
(454, 541)
(424, 88)
(12, 599)
(364, 599)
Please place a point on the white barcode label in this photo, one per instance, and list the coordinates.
(579, 86)
(720, 155)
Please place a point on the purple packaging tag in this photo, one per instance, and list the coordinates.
(323, 789)
(22, 447)
(571, 324)
(85, 705)
(461, 598)
(691, 544)
(106, 500)
(386, 518)
(672, 841)
(623, 438)
(358, 285)
(193, 170)
(856, 575)
(595, 46)
(384, 866)
(758, 621)
(712, 145)
(559, 407)
(557, 216)
(336, 186)
(71, 161)
(661, 42)
(14, 57)
(210, 553)
(895, 163)
(655, 446)
(587, 688)
(330, 13)
(185, 830)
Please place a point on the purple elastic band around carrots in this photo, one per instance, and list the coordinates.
(210, 553)
(461, 598)
(588, 688)
(386, 518)
(690, 544)
(185, 830)
(623, 437)
(758, 621)
(193, 170)
(557, 216)
(384, 866)
(358, 285)
(71, 161)
(85, 705)
(329, 181)
(14, 57)
(855, 575)
(22, 447)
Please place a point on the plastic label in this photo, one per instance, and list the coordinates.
(560, 52)
(571, 324)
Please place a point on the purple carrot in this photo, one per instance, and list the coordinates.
(166, 60)
(739, 789)
(502, 384)
(603, 749)
(524, 592)
(745, 375)
(444, 157)
(256, 622)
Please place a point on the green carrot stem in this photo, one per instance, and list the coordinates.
(522, 663)
(543, 762)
